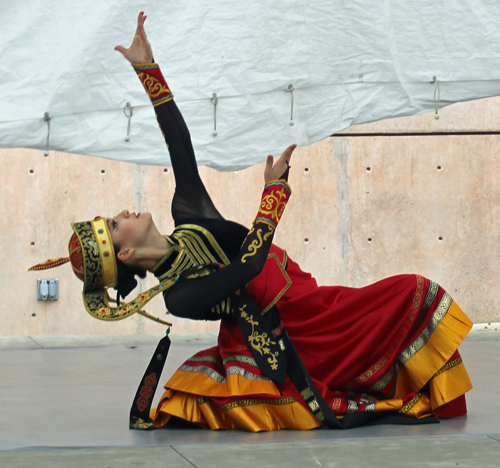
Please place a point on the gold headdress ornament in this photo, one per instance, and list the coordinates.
(93, 259)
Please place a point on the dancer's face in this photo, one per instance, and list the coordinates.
(130, 230)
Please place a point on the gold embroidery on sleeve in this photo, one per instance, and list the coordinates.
(256, 244)
(153, 86)
(274, 204)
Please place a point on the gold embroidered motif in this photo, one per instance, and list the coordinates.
(139, 423)
(260, 342)
(145, 297)
(273, 204)
(103, 311)
(152, 85)
(313, 405)
(256, 244)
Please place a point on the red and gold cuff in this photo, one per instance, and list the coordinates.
(154, 83)
(274, 199)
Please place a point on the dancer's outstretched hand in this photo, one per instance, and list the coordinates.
(279, 169)
(140, 51)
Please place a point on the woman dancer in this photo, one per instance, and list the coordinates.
(290, 354)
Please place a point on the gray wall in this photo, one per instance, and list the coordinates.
(412, 195)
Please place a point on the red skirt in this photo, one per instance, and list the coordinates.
(391, 346)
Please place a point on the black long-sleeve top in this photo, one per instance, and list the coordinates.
(192, 204)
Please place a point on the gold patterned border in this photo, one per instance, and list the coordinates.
(417, 299)
(281, 266)
(422, 339)
(431, 294)
(406, 354)
(218, 377)
(253, 402)
(248, 402)
(411, 403)
(208, 358)
(448, 366)
(249, 361)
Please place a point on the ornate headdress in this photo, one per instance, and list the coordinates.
(93, 259)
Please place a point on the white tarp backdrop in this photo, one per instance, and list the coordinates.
(349, 62)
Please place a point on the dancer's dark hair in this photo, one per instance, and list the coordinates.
(126, 278)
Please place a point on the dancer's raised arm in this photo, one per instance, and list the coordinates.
(191, 199)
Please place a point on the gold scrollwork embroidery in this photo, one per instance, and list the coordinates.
(260, 342)
(274, 205)
(95, 249)
(153, 86)
(256, 244)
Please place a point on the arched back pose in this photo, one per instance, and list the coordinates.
(290, 354)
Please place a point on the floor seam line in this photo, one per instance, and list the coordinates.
(492, 438)
(189, 461)
(39, 344)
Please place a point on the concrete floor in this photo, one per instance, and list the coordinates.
(64, 402)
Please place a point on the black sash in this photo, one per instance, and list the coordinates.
(141, 406)
(276, 355)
